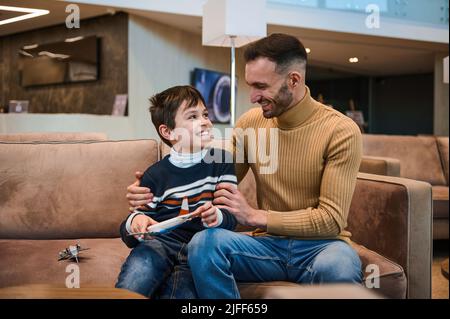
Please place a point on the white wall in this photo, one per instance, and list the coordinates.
(160, 57)
(115, 127)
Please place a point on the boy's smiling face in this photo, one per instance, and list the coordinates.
(192, 128)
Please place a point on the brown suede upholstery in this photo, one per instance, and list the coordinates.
(35, 261)
(423, 158)
(380, 165)
(442, 143)
(393, 216)
(51, 190)
(53, 194)
(53, 136)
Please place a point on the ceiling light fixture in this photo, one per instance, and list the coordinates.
(353, 60)
(30, 13)
(74, 39)
(308, 50)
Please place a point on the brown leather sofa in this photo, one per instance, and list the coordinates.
(423, 158)
(55, 194)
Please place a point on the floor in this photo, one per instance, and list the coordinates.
(439, 284)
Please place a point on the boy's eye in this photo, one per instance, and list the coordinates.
(193, 116)
(205, 115)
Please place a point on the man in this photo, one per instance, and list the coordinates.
(303, 203)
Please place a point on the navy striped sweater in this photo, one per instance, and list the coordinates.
(171, 184)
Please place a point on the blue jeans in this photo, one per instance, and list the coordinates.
(219, 258)
(157, 268)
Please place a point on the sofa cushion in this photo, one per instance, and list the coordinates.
(62, 190)
(53, 136)
(419, 156)
(36, 261)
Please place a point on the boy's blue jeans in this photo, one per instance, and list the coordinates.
(157, 268)
(219, 258)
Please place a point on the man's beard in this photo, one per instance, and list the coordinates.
(281, 102)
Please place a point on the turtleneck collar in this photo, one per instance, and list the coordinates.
(185, 160)
(297, 114)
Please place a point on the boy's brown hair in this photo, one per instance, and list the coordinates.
(164, 105)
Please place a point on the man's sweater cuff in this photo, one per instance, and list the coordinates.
(274, 222)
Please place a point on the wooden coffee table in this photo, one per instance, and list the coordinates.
(41, 291)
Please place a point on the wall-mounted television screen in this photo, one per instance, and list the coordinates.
(72, 60)
(215, 89)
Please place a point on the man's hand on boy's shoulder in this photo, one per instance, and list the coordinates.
(138, 196)
(227, 196)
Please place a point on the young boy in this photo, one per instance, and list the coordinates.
(183, 181)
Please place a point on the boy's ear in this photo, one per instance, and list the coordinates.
(165, 132)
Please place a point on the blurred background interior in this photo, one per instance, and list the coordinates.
(57, 76)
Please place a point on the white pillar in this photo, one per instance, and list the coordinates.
(440, 97)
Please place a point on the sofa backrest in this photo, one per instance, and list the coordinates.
(68, 189)
(419, 156)
(442, 142)
(53, 136)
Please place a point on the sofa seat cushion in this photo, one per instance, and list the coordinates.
(36, 261)
(440, 202)
(393, 283)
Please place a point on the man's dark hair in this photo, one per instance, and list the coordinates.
(280, 48)
(164, 105)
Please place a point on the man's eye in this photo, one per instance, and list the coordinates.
(206, 115)
(192, 117)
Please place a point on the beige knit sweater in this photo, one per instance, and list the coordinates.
(319, 152)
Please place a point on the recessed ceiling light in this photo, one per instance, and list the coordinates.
(30, 13)
(353, 60)
(308, 50)
(74, 39)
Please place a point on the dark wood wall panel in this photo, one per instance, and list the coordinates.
(88, 97)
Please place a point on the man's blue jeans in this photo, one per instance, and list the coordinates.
(219, 258)
(158, 268)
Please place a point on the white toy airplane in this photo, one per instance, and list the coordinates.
(169, 224)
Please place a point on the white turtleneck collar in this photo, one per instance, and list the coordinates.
(185, 160)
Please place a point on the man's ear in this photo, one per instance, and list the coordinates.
(165, 132)
(295, 79)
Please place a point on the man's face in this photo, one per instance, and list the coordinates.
(268, 88)
(192, 128)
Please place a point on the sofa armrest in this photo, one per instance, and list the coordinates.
(380, 165)
(393, 217)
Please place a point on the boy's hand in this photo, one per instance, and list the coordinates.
(208, 213)
(140, 224)
(138, 196)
